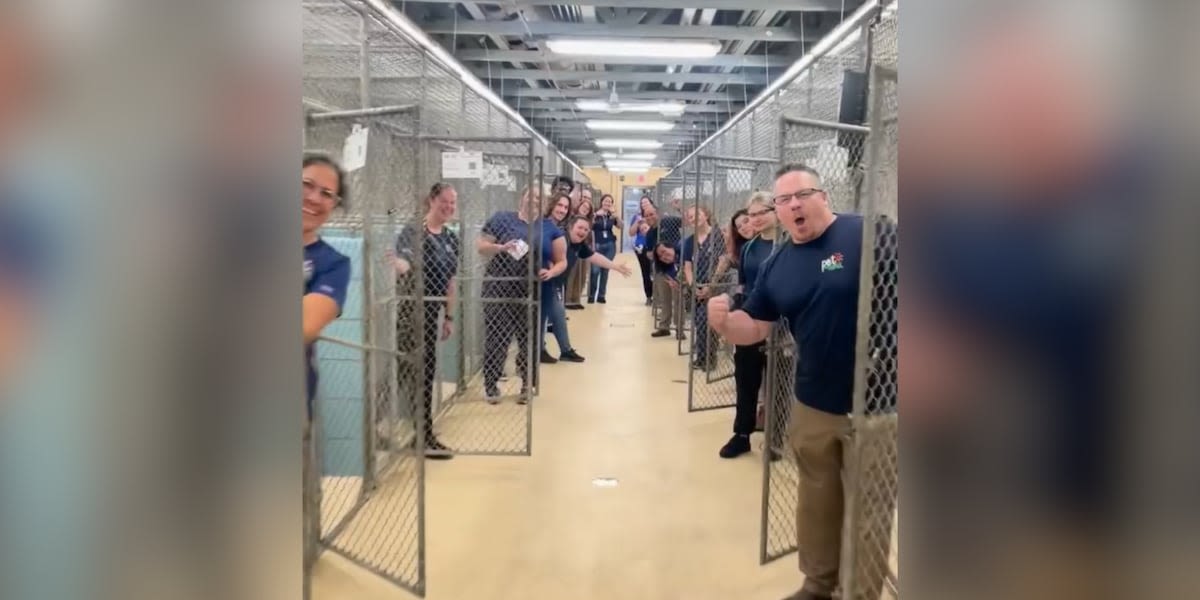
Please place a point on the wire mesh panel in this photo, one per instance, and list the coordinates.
(870, 550)
(668, 232)
(726, 184)
(488, 363)
(781, 478)
(809, 131)
(371, 480)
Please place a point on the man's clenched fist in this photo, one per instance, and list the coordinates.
(718, 312)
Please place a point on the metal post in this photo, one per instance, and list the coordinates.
(377, 111)
(369, 433)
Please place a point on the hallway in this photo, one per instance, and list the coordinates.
(679, 523)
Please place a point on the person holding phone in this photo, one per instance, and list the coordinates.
(510, 240)
(603, 224)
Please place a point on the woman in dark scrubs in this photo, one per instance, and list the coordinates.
(439, 264)
(750, 362)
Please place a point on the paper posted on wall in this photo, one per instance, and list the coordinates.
(462, 165)
(354, 153)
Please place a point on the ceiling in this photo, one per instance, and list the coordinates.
(507, 45)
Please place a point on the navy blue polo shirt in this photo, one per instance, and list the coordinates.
(326, 272)
(439, 257)
(504, 227)
(576, 252)
(755, 252)
(815, 287)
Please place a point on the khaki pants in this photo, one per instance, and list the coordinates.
(819, 442)
(664, 302)
(576, 281)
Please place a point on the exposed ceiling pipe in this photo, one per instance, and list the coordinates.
(410, 31)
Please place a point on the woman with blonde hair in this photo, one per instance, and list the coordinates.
(750, 362)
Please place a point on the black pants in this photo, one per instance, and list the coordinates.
(647, 275)
(749, 366)
(503, 323)
(430, 332)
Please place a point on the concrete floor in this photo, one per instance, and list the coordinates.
(680, 523)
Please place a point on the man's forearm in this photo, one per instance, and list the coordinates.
(741, 329)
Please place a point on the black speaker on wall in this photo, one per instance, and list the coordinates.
(853, 111)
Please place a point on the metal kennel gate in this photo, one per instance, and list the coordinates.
(858, 166)
(725, 184)
(835, 150)
(365, 491)
(491, 310)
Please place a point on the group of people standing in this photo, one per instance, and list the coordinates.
(809, 280)
(687, 259)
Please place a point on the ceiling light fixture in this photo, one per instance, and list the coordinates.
(666, 108)
(626, 170)
(628, 164)
(630, 144)
(629, 155)
(619, 125)
(635, 48)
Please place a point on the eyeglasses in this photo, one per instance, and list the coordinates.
(326, 194)
(803, 194)
(760, 213)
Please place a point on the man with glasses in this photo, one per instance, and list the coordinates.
(812, 280)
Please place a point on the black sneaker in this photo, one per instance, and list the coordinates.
(574, 307)
(492, 396)
(736, 446)
(571, 356)
(661, 333)
(649, 301)
(547, 359)
(601, 300)
(590, 301)
(436, 450)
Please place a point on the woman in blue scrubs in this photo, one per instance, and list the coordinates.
(510, 239)
(326, 278)
(326, 271)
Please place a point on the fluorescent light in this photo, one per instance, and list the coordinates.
(631, 164)
(627, 143)
(619, 125)
(406, 28)
(629, 155)
(626, 170)
(635, 48)
(651, 107)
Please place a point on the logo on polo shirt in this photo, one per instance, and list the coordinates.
(833, 263)
(308, 270)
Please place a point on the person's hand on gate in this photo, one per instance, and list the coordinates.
(447, 329)
(718, 312)
(674, 284)
(702, 292)
(401, 266)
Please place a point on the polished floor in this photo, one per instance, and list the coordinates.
(679, 523)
